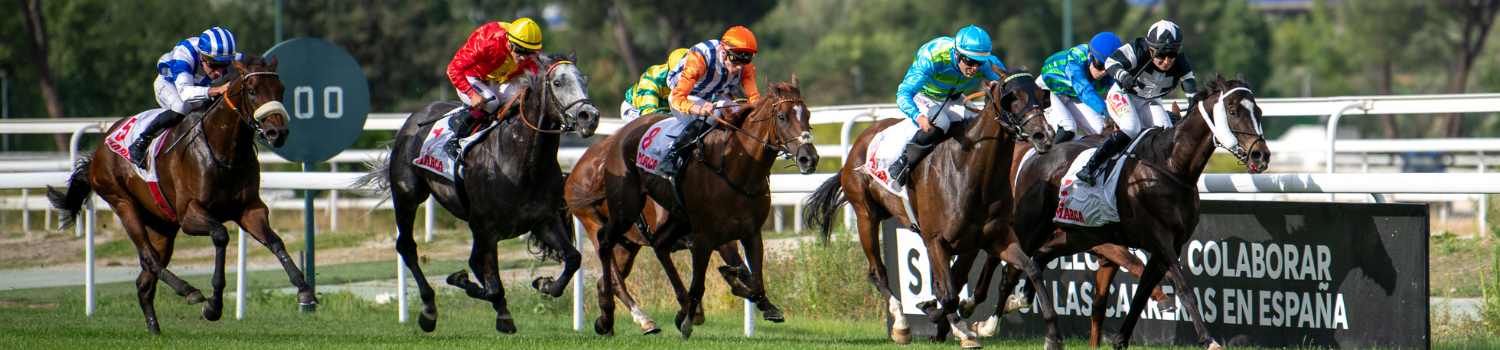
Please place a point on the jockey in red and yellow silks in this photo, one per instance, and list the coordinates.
(701, 83)
(483, 68)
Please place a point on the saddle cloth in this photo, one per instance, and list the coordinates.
(433, 158)
(120, 140)
(1091, 206)
(656, 143)
(885, 148)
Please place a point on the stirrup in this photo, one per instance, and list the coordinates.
(452, 147)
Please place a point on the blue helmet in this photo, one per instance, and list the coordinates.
(1103, 45)
(217, 43)
(973, 42)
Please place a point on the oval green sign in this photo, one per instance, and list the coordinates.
(327, 98)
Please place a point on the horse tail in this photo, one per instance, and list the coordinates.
(69, 203)
(539, 247)
(378, 179)
(823, 203)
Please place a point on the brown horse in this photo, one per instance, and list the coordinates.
(1158, 195)
(714, 195)
(212, 178)
(961, 200)
(587, 177)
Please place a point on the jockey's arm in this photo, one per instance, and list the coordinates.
(911, 85)
(1084, 87)
(747, 81)
(459, 70)
(180, 68)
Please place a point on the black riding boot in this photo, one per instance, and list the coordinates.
(462, 124)
(1115, 143)
(1063, 136)
(673, 163)
(138, 149)
(920, 146)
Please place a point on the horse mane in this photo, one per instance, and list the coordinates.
(1217, 84)
(251, 59)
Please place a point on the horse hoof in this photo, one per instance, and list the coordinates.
(1215, 346)
(542, 284)
(966, 308)
(307, 298)
(1015, 303)
(773, 315)
(936, 339)
(195, 297)
(602, 329)
(428, 319)
(971, 344)
(650, 328)
(212, 312)
(1053, 345)
(505, 324)
(987, 327)
(698, 319)
(459, 279)
(152, 327)
(901, 335)
(687, 330)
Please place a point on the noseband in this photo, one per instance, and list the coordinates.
(266, 110)
(1011, 121)
(1224, 134)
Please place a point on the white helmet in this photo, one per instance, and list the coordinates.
(1164, 35)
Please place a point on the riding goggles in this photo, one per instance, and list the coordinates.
(1164, 53)
(215, 64)
(741, 57)
(519, 51)
(1096, 62)
(968, 61)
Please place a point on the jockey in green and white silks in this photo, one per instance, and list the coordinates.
(1078, 81)
(942, 70)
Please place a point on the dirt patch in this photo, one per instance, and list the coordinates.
(1455, 265)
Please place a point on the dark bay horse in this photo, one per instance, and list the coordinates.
(212, 177)
(511, 185)
(962, 201)
(587, 178)
(716, 193)
(1158, 195)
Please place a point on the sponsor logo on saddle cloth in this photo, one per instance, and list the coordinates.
(120, 140)
(885, 148)
(432, 155)
(1091, 206)
(656, 143)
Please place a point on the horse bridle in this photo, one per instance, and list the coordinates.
(1222, 130)
(568, 123)
(1011, 121)
(781, 140)
(244, 116)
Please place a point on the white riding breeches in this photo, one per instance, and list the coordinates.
(940, 118)
(487, 89)
(628, 112)
(1070, 113)
(168, 97)
(718, 101)
(1133, 113)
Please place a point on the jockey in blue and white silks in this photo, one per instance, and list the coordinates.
(942, 70)
(182, 84)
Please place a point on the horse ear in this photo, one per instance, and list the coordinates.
(795, 83)
(272, 63)
(1241, 77)
(573, 56)
(1176, 109)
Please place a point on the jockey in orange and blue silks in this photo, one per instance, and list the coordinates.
(942, 70)
(185, 74)
(700, 86)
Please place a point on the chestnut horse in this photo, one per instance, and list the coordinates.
(511, 185)
(587, 177)
(961, 200)
(1158, 193)
(213, 177)
(714, 192)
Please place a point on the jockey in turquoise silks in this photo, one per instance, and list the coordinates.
(942, 70)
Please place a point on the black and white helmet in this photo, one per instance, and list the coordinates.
(1164, 35)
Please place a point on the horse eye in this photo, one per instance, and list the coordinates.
(557, 83)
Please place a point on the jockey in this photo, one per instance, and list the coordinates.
(700, 86)
(1078, 81)
(185, 74)
(942, 70)
(482, 70)
(648, 95)
(1144, 70)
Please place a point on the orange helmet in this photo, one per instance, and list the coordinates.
(740, 39)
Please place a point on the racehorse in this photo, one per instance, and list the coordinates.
(713, 195)
(960, 199)
(587, 177)
(212, 176)
(510, 185)
(1157, 197)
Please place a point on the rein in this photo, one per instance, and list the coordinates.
(1006, 118)
(1223, 133)
(780, 148)
(549, 96)
(244, 117)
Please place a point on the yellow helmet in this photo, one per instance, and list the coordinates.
(524, 32)
(676, 57)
